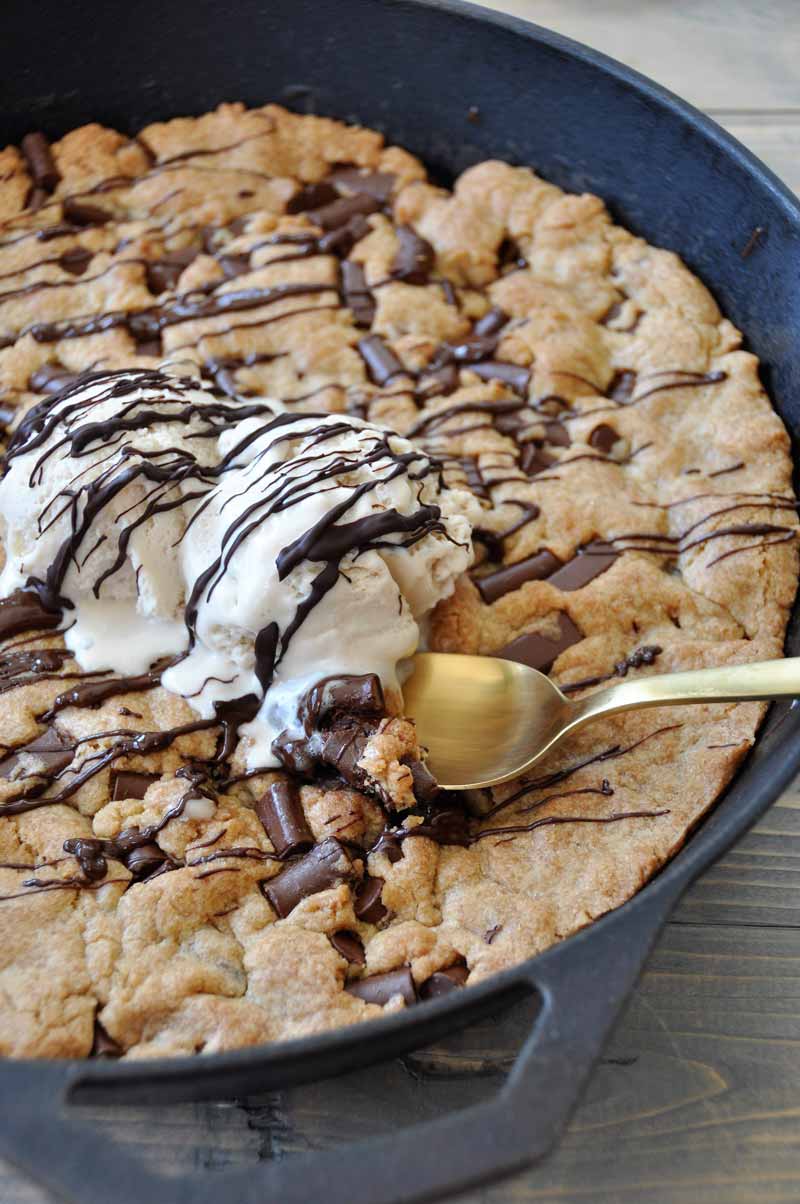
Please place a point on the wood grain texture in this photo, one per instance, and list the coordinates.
(697, 1098)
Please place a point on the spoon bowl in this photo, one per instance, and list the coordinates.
(485, 720)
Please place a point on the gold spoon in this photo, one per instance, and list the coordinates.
(486, 720)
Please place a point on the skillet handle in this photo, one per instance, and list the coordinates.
(581, 984)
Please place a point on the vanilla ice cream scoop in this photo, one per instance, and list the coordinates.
(259, 550)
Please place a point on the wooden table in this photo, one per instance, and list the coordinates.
(697, 1100)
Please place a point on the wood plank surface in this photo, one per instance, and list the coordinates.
(697, 1099)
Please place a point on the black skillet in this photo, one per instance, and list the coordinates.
(455, 84)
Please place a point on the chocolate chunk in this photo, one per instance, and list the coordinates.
(557, 434)
(282, 816)
(426, 788)
(142, 861)
(414, 259)
(343, 747)
(164, 274)
(389, 843)
(444, 982)
(51, 378)
(477, 347)
(51, 232)
(128, 783)
(534, 568)
(368, 906)
(89, 855)
(622, 385)
(361, 693)
(339, 212)
(534, 459)
(448, 826)
(352, 180)
(539, 651)
(587, 564)
(342, 240)
(23, 611)
(75, 261)
(380, 988)
(103, 1045)
(356, 294)
(50, 748)
(150, 347)
(491, 322)
(435, 384)
(325, 866)
(36, 198)
(235, 265)
(79, 214)
(312, 196)
(381, 361)
(7, 416)
(143, 326)
(41, 163)
(509, 255)
(294, 754)
(350, 946)
(603, 438)
(513, 375)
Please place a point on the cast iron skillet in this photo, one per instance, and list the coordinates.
(668, 173)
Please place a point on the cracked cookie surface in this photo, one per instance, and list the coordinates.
(637, 516)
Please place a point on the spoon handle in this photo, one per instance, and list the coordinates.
(729, 683)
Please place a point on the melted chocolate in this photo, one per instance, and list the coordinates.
(24, 611)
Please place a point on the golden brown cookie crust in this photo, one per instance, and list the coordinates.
(612, 409)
